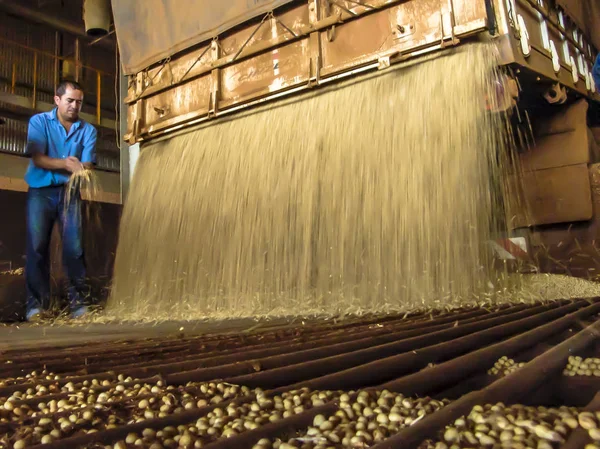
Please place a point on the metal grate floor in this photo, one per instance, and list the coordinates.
(428, 380)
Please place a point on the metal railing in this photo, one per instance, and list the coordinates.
(24, 66)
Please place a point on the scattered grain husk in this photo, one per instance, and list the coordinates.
(226, 422)
(364, 417)
(548, 287)
(14, 272)
(28, 378)
(505, 366)
(578, 366)
(97, 405)
(513, 426)
(361, 421)
(83, 184)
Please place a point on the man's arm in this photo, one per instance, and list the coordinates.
(49, 163)
(70, 164)
(37, 147)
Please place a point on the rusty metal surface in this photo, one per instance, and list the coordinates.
(297, 48)
(544, 344)
(571, 248)
(511, 387)
(201, 61)
(382, 363)
(547, 26)
(558, 128)
(448, 373)
(357, 42)
(311, 43)
(143, 40)
(552, 185)
(580, 437)
(269, 72)
(553, 195)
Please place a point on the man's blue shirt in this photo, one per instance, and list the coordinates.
(596, 73)
(46, 135)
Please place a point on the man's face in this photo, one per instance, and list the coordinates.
(69, 104)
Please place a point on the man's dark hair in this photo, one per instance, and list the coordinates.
(62, 87)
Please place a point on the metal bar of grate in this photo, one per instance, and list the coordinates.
(511, 387)
(580, 438)
(349, 370)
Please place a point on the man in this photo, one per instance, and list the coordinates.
(60, 143)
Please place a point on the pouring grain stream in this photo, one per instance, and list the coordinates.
(85, 185)
(374, 195)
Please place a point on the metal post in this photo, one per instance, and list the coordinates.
(35, 74)
(124, 150)
(13, 81)
(56, 63)
(77, 59)
(99, 96)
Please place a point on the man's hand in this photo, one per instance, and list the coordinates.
(70, 164)
(73, 165)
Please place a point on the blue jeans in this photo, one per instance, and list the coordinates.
(45, 207)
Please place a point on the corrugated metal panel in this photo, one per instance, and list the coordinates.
(35, 37)
(13, 136)
(107, 144)
(24, 46)
(108, 162)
